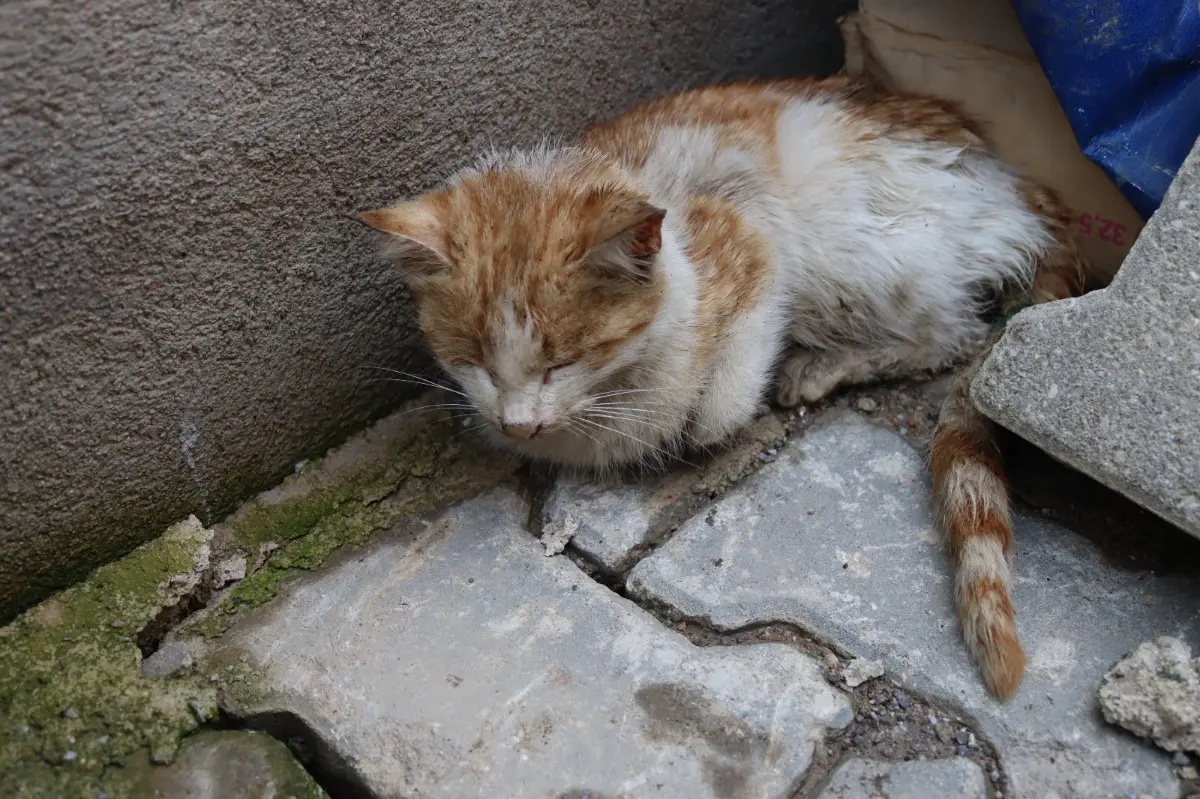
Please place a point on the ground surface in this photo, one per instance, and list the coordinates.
(771, 621)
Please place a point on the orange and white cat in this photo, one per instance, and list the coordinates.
(636, 293)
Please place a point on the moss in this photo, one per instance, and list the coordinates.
(73, 702)
(314, 514)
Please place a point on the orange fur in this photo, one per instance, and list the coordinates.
(512, 236)
(733, 267)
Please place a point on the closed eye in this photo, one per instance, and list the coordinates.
(554, 369)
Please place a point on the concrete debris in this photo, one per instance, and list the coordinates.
(1155, 693)
(859, 670)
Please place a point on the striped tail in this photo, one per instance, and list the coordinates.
(970, 489)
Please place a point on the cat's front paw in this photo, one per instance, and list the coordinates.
(806, 377)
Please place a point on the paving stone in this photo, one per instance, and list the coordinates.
(1110, 383)
(227, 765)
(919, 779)
(837, 537)
(455, 659)
(614, 520)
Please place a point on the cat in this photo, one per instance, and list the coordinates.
(634, 294)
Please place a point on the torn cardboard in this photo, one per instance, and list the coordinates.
(975, 54)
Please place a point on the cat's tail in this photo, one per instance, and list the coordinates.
(970, 489)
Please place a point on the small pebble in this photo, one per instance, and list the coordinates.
(860, 670)
(867, 405)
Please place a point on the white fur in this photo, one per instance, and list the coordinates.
(878, 256)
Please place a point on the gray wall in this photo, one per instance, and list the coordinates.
(184, 312)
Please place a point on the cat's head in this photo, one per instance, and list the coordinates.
(535, 276)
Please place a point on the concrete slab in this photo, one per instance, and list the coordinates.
(1110, 383)
(837, 537)
(454, 659)
(920, 779)
(615, 520)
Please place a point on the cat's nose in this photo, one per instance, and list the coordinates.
(525, 430)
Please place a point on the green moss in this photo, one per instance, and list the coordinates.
(73, 702)
(324, 510)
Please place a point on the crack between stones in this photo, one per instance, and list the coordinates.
(865, 699)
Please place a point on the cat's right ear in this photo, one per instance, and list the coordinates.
(416, 238)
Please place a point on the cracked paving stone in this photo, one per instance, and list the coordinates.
(613, 520)
(867, 570)
(457, 660)
(919, 779)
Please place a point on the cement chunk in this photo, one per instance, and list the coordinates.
(456, 660)
(1155, 693)
(837, 537)
(1110, 383)
(919, 779)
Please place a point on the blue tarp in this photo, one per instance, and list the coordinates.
(1127, 73)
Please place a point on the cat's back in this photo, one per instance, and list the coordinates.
(736, 140)
(743, 116)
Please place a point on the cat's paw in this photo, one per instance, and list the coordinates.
(805, 377)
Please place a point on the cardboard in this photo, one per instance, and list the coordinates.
(974, 53)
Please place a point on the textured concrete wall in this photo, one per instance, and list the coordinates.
(184, 312)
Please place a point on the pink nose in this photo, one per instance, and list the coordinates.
(525, 430)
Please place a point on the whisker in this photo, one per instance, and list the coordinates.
(471, 429)
(650, 423)
(441, 407)
(652, 447)
(618, 407)
(418, 380)
(575, 428)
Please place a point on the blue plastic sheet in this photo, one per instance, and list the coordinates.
(1127, 73)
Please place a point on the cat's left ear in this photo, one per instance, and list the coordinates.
(417, 238)
(630, 239)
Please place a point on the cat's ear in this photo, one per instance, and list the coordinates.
(416, 238)
(630, 237)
